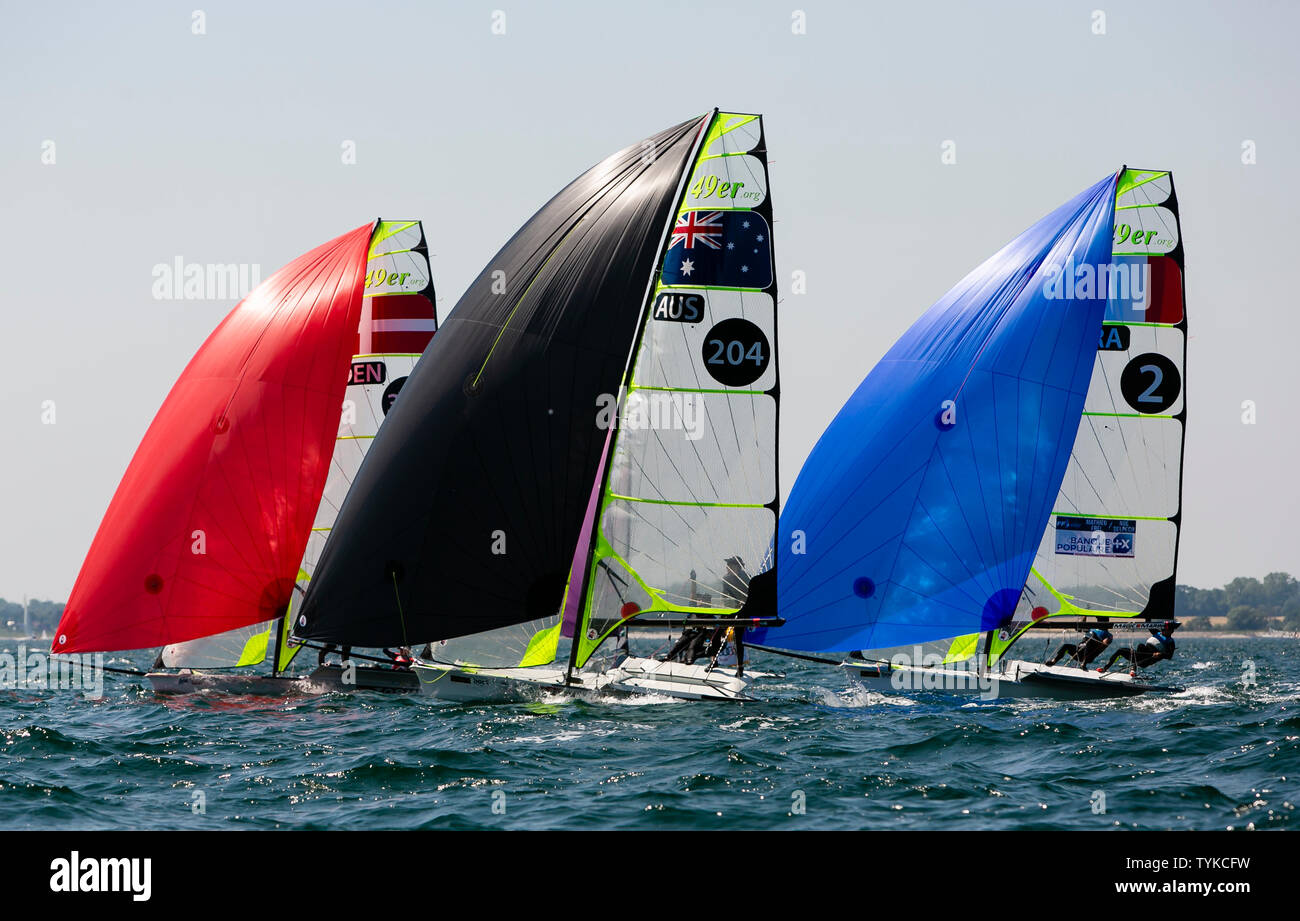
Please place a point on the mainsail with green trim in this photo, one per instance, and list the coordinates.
(398, 319)
(1111, 547)
(687, 510)
(595, 421)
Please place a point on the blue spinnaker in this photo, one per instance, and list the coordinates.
(923, 503)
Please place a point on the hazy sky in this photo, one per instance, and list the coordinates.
(226, 147)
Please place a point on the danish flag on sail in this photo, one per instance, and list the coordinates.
(207, 528)
(398, 314)
(401, 323)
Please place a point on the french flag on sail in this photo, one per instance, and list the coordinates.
(729, 249)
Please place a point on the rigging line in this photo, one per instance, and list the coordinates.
(77, 663)
(795, 655)
(695, 373)
(351, 655)
(1128, 452)
(668, 456)
(646, 478)
(1081, 468)
(401, 616)
(108, 668)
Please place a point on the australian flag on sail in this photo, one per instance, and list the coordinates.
(728, 249)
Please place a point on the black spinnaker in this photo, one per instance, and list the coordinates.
(464, 516)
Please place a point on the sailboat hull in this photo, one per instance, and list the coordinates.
(488, 685)
(1013, 680)
(388, 680)
(675, 679)
(631, 677)
(252, 685)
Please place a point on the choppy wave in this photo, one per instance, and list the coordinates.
(818, 751)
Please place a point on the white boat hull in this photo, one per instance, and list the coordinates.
(1010, 680)
(676, 679)
(632, 676)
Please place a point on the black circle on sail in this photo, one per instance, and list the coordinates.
(736, 352)
(390, 394)
(1151, 383)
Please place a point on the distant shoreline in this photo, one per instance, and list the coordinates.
(1235, 635)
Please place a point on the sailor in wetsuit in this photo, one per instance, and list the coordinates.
(1093, 644)
(694, 643)
(1158, 647)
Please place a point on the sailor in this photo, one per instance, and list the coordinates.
(693, 643)
(1093, 644)
(330, 647)
(1158, 647)
(401, 658)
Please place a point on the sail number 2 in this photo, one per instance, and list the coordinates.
(1151, 383)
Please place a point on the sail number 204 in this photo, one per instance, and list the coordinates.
(736, 352)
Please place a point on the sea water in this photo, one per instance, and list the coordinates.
(816, 751)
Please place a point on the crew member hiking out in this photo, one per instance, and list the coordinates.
(1158, 647)
(1093, 644)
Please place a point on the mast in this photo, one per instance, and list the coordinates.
(1111, 546)
(673, 497)
(278, 631)
(602, 478)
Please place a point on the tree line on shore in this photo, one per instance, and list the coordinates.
(42, 617)
(1245, 603)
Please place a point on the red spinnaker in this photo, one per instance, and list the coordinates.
(209, 524)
